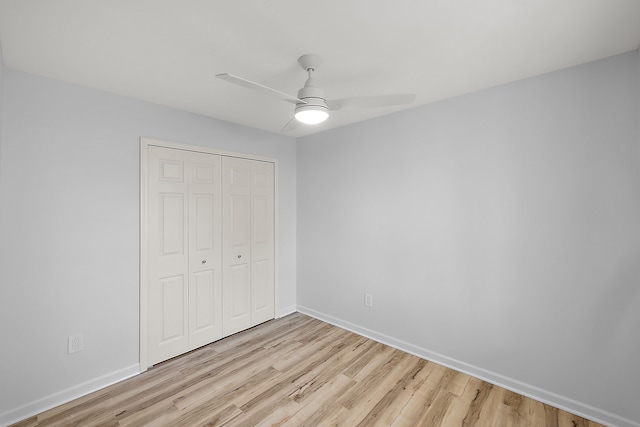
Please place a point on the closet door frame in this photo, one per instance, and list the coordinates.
(145, 143)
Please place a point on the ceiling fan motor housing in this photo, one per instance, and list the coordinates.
(313, 96)
(314, 110)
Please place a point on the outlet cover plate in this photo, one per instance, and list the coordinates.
(75, 343)
(368, 300)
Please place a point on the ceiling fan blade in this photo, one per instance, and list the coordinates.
(371, 101)
(261, 88)
(291, 125)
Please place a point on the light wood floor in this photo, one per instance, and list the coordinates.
(299, 371)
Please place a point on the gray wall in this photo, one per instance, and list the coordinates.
(1, 104)
(498, 232)
(69, 210)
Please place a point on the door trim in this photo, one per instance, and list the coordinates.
(145, 143)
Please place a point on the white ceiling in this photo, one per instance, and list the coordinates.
(168, 51)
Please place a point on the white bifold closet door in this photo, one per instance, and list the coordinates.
(248, 243)
(185, 251)
(210, 245)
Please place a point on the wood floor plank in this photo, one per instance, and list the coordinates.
(455, 414)
(309, 412)
(421, 396)
(300, 371)
(314, 379)
(477, 405)
(361, 400)
(389, 406)
(435, 414)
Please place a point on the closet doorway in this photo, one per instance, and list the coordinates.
(208, 246)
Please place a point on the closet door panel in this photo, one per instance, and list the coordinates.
(262, 294)
(168, 255)
(239, 292)
(262, 242)
(172, 292)
(205, 250)
(236, 233)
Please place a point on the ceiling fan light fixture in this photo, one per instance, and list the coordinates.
(314, 109)
(311, 107)
(311, 114)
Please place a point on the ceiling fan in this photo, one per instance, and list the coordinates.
(311, 107)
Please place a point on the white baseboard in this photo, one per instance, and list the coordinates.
(555, 400)
(286, 311)
(64, 396)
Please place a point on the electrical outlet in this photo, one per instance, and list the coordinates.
(368, 300)
(75, 343)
